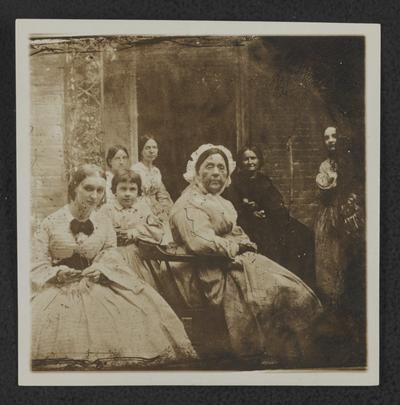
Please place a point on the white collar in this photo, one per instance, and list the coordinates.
(119, 207)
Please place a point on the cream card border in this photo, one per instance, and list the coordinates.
(371, 32)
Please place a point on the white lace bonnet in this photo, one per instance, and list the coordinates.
(190, 173)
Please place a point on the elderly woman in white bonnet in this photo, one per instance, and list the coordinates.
(268, 310)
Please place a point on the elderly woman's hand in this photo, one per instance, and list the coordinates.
(235, 265)
(247, 247)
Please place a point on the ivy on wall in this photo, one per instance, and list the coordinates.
(83, 141)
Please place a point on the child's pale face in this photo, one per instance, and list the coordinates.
(127, 194)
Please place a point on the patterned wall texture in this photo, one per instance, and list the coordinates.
(279, 93)
(83, 139)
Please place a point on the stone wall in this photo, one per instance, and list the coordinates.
(48, 184)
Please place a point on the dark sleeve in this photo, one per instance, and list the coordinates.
(271, 201)
(233, 194)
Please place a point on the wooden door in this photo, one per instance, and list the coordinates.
(188, 96)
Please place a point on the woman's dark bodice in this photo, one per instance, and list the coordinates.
(261, 190)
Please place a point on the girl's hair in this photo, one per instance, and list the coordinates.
(112, 151)
(143, 140)
(208, 153)
(82, 172)
(253, 148)
(126, 176)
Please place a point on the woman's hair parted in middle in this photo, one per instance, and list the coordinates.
(253, 148)
(143, 139)
(112, 151)
(126, 176)
(208, 153)
(83, 171)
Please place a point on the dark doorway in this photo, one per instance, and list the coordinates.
(186, 97)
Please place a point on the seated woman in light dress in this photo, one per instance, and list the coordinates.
(154, 191)
(117, 159)
(269, 311)
(132, 220)
(87, 306)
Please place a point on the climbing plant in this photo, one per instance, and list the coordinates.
(83, 141)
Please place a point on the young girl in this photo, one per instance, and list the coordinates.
(132, 219)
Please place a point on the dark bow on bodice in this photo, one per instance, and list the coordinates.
(85, 227)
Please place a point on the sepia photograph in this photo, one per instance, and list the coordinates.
(198, 201)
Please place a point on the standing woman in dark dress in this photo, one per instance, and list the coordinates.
(263, 216)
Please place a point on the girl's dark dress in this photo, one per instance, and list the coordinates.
(278, 236)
